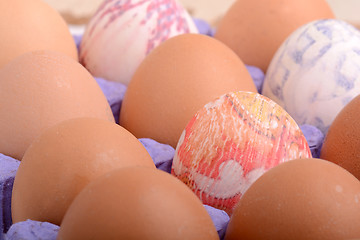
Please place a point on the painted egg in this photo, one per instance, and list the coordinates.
(122, 33)
(231, 142)
(316, 72)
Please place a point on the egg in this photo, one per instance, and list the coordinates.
(299, 199)
(122, 33)
(64, 159)
(39, 89)
(316, 72)
(29, 25)
(341, 144)
(175, 80)
(137, 203)
(256, 29)
(232, 141)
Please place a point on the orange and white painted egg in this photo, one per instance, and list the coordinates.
(231, 142)
(122, 32)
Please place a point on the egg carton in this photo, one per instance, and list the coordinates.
(162, 155)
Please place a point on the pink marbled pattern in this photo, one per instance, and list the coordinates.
(123, 32)
(231, 142)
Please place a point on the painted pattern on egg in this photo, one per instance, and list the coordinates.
(316, 72)
(231, 142)
(122, 32)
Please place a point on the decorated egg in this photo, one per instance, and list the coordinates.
(316, 72)
(231, 142)
(122, 33)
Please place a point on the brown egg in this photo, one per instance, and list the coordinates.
(175, 80)
(29, 25)
(42, 88)
(342, 142)
(299, 199)
(256, 29)
(64, 159)
(137, 203)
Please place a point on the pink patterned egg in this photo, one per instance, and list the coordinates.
(122, 32)
(231, 142)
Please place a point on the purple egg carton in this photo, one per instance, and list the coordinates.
(162, 155)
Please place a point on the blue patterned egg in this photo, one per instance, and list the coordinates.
(316, 72)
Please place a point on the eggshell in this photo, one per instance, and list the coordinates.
(137, 203)
(299, 199)
(122, 33)
(341, 144)
(42, 88)
(64, 159)
(177, 79)
(256, 29)
(232, 141)
(316, 72)
(29, 25)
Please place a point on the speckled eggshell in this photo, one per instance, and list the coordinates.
(175, 80)
(137, 203)
(40, 89)
(255, 29)
(300, 199)
(342, 142)
(316, 72)
(30, 25)
(231, 142)
(64, 159)
(122, 33)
